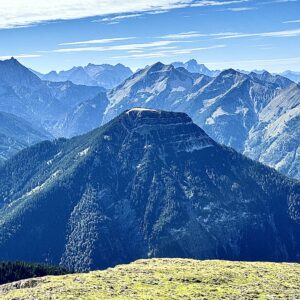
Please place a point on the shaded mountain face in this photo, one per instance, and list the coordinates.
(106, 76)
(193, 67)
(12, 73)
(17, 134)
(275, 140)
(84, 117)
(148, 184)
(43, 104)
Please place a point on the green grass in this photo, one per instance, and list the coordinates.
(167, 279)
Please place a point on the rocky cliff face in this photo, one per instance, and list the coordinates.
(148, 184)
(275, 140)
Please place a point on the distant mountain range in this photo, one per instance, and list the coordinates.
(234, 108)
(149, 183)
(193, 67)
(295, 76)
(42, 103)
(106, 76)
(109, 76)
(228, 107)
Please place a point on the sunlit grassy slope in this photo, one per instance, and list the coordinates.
(167, 279)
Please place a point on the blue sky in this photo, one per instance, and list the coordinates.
(243, 34)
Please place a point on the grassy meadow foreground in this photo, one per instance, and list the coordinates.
(167, 279)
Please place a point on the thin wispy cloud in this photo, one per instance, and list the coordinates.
(117, 19)
(183, 35)
(126, 47)
(276, 1)
(19, 13)
(277, 34)
(291, 21)
(217, 3)
(191, 50)
(285, 1)
(238, 9)
(157, 12)
(167, 53)
(99, 41)
(195, 34)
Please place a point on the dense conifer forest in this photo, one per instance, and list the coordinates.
(14, 271)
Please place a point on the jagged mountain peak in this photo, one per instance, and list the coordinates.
(230, 72)
(159, 67)
(13, 60)
(266, 77)
(192, 63)
(194, 67)
(13, 73)
(227, 79)
(148, 87)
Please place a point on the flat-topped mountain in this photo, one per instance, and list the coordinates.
(149, 183)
